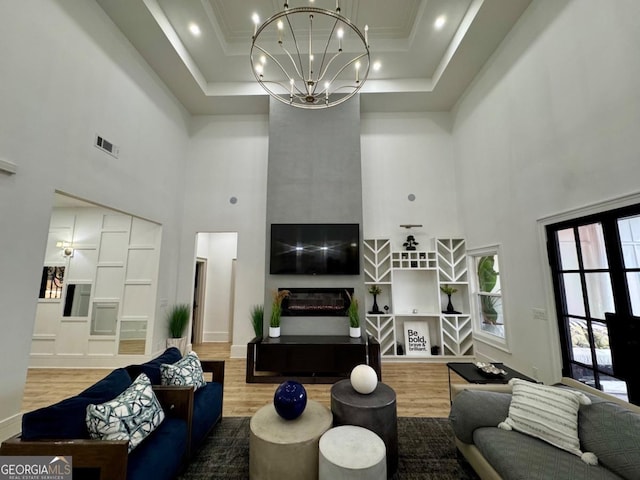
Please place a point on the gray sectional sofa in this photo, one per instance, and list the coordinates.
(609, 427)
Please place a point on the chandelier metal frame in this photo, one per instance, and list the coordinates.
(292, 79)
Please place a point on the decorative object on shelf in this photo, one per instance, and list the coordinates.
(416, 338)
(490, 370)
(354, 317)
(435, 350)
(449, 290)
(257, 319)
(290, 399)
(386, 309)
(276, 311)
(375, 290)
(399, 349)
(177, 320)
(487, 279)
(364, 379)
(297, 56)
(411, 243)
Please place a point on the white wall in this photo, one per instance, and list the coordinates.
(402, 154)
(550, 125)
(220, 250)
(68, 74)
(227, 157)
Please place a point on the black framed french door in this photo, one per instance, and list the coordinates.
(595, 264)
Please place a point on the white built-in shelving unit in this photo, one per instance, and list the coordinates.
(410, 284)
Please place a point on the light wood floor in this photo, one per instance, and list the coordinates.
(421, 388)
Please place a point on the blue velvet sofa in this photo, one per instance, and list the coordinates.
(60, 429)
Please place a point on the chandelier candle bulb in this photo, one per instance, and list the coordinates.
(256, 21)
(280, 30)
(366, 35)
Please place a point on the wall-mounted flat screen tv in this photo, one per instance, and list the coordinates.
(315, 249)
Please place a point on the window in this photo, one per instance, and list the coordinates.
(486, 284)
(51, 283)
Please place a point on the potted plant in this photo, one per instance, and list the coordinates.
(449, 290)
(257, 317)
(276, 311)
(177, 320)
(375, 290)
(354, 317)
(487, 279)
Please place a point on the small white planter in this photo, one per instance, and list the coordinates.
(274, 332)
(354, 332)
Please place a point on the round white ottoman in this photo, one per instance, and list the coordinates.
(350, 452)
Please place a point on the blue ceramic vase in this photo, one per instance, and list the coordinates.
(290, 400)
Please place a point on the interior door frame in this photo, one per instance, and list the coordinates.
(199, 295)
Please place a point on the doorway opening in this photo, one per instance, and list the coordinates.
(214, 286)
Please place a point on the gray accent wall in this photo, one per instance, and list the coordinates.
(314, 176)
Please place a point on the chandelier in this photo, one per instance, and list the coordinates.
(310, 57)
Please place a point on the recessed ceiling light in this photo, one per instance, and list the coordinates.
(440, 21)
(194, 29)
(376, 66)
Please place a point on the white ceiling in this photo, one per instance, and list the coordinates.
(422, 68)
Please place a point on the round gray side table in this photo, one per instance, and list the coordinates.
(376, 412)
(281, 448)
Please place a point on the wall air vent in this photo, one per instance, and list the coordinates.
(106, 146)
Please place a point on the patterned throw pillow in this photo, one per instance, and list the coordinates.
(185, 372)
(547, 413)
(132, 415)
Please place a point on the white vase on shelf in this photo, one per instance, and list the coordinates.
(354, 332)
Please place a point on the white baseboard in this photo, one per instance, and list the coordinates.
(86, 361)
(10, 426)
(215, 337)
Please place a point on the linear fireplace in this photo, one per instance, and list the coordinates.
(316, 302)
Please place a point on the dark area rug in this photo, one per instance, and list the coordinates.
(425, 446)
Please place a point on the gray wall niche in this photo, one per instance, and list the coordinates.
(314, 176)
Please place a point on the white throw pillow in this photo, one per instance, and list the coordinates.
(185, 372)
(547, 413)
(132, 415)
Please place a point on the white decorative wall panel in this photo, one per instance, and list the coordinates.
(137, 300)
(113, 247)
(116, 222)
(141, 265)
(109, 281)
(144, 232)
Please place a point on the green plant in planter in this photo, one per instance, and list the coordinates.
(178, 319)
(276, 307)
(487, 279)
(448, 289)
(257, 317)
(352, 312)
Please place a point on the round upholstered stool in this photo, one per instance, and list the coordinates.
(375, 411)
(280, 448)
(350, 452)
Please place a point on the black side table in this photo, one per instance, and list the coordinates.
(472, 374)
